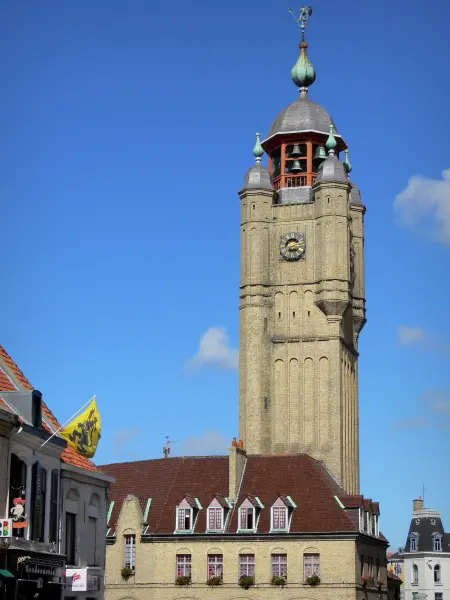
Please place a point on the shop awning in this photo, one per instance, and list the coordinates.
(5, 573)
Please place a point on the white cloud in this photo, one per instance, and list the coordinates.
(426, 197)
(410, 335)
(411, 423)
(438, 402)
(210, 442)
(215, 350)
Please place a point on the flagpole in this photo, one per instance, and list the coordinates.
(62, 426)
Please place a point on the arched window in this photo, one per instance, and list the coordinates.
(415, 575)
(437, 573)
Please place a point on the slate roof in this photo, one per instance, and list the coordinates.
(12, 379)
(425, 526)
(167, 481)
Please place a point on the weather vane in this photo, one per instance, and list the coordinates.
(302, 19)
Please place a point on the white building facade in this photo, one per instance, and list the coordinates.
(426, 556)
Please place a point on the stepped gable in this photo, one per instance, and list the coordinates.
(11, 380)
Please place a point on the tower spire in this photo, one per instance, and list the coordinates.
(331, 141)
(303, 73)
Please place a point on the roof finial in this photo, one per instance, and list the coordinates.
(347, 163)
(258, 149)
(331, 141)
(303, 73)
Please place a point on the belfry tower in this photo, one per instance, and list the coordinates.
(302, 302)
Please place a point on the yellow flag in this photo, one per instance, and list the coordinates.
(83, 432)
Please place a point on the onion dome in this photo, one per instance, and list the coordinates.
(303, 73)
(257, 177)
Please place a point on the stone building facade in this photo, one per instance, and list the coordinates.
(52, 500)
(287, 517)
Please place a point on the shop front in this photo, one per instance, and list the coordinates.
(37, 576)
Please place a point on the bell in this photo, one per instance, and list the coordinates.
(296, 151)
(320, 154)
(296, 167)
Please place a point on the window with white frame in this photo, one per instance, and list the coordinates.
(415, 575)
(438, 596)
(437, 543)
(246, 565)
(215, 565)
(130, 552)
(279, 565)
(279, 518)
(184, 519)
(413, 543)
(215, 518)
(437, 574)
(184, 562)
(247, 518)
(311, 564)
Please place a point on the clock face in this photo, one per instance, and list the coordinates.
(292, 246)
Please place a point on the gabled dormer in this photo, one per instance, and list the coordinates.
(249, 512)
(281, 514)
(187, 514)
(217, 514)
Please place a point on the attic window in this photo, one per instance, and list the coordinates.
(187, 512)
(437, 542)
(413, 542)
(249, 514)
(281, 512)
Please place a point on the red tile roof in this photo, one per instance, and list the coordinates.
(68, 455)
(168, 480)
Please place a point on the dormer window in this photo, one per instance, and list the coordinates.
(187, 513)
(413, 542)
(281, 512)
(437, 542)
(217, 514)
(249, 514)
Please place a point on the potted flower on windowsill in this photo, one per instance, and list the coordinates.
(364, 581)
(313, 580)
(126, 573)
(214, 581)
(278, 581)
(246, 581)
(183, 580)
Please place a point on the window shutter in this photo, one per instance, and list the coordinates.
(243, 513)
(180, 519)
(38, 506)
(54, 506)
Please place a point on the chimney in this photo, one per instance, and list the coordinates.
(417, 504)
(236, 466)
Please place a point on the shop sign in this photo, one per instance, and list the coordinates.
(5, 528)
(81, 580)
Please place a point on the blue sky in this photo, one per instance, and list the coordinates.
(126, 130)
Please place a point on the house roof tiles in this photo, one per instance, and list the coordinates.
(167, 481)
(10, 374)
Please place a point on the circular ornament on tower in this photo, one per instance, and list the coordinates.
(292, 246)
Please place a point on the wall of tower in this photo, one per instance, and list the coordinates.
(255, 304)
(298, 363)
